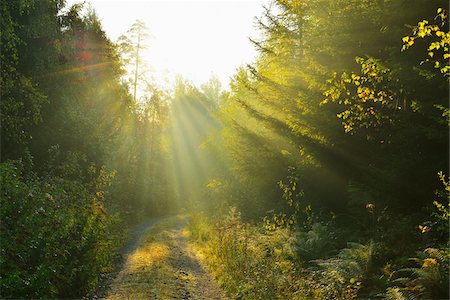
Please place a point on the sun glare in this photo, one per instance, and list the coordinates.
(195, 39)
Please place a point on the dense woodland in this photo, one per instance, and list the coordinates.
(320, 172)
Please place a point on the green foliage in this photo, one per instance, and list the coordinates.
(89, 155)
(428, 281)
(248, 263)
(22, 100)
(56, 235)
(300, 214)
(367, 97)
(273, 117)
(442, 214)
(435, 228)
(318, 242)
(252, 263)
(371, 182)
(81, 170)
(352, 262)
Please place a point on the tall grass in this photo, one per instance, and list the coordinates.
(251, 263)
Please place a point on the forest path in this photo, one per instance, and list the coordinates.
(163, 266)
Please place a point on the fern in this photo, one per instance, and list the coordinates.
(440, 255)
(429, 281)
(395, 294)
(315, 243)
(352, 262)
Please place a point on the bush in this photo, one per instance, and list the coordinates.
(56, 237)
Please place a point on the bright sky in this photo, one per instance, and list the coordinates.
(193, 38)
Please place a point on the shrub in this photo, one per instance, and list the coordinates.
(56, 237)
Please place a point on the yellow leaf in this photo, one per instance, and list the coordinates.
(429, 262)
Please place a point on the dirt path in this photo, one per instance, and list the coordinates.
(164, 267)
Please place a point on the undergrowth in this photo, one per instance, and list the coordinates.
(57, 235)
(251, 262)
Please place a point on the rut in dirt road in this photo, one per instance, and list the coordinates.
(164, 267)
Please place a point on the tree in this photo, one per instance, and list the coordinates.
(53, 63)
(278, 99)
(131, 47)
(27, 27)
